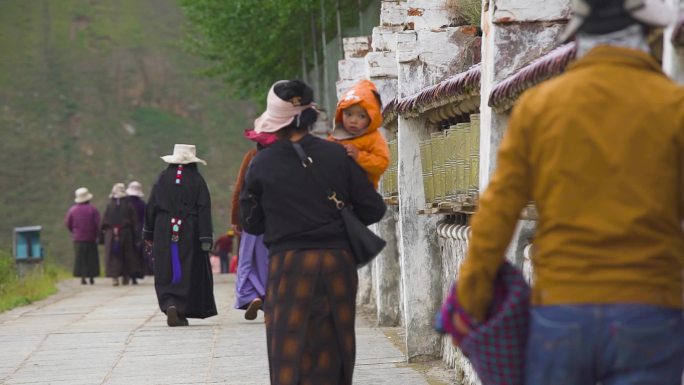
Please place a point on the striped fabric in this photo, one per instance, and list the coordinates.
(495, 348)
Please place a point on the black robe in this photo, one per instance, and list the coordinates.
(122, 258)
(193, 294)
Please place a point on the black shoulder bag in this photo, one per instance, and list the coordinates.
(364, 243)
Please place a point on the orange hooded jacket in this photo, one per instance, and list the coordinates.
(373, 151)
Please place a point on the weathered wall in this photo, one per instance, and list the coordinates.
(387, 273)
(418, 249)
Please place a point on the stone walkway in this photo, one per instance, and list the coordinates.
(116, 335)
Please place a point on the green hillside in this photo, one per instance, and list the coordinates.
(92, 92)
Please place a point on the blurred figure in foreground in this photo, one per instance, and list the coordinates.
(600, 149)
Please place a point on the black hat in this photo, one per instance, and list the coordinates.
(598, 17)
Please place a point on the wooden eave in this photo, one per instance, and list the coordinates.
(505, 94)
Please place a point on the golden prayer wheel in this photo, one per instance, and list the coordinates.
(460, 152)
(475, 134)
(474, 175)
(438, 178)
(426, 165)
(428, 187)
(425, 155)
(450, 166)
(450, 174)
(437, 145)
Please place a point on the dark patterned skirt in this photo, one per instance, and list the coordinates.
(87, 262)
(310, 310)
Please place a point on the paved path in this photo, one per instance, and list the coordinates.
(116, 335)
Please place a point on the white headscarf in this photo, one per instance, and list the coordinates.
(631, 37)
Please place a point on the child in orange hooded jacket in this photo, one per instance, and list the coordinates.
(357, 119)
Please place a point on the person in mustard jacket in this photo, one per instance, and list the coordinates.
(600, 150)
(357, 119)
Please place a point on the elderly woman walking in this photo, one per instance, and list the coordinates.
(179, 231)
(120, 233)
(252, 270)
(312, 281)
(134, 194)
(83, 222)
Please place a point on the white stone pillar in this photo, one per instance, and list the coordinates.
(387, 273)
(381, 69)
(673, 56)
(418, 248)
(514, 34)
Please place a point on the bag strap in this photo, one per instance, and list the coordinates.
(307, 163)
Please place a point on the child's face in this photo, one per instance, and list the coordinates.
(355, 119)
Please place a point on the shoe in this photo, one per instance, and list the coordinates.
(83, 281)
(134, 281)
(182, 321)
(253, 308)
(115, 281)
(172, 318)
(125, 281)
(92, 280)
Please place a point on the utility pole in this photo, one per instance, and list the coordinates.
(360, 8)
(326, 81)
(303, 50)
(316, 82)
(340, 44)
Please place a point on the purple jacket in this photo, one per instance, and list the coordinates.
(83, 221)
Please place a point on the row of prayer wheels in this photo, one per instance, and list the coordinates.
(390, 181)
(451, 163)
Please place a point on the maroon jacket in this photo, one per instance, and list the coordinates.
(83, 221)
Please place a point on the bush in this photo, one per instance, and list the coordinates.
(34, 286)
(465, 12)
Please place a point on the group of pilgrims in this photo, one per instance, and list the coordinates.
(294, 258)
(119, 230)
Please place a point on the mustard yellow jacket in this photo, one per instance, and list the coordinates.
(600, 150)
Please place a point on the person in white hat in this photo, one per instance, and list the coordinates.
(83, 222)
(120, 234)
(178, 231)
(134, 195)
(600, 149)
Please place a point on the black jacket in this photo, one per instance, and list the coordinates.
(282, 200)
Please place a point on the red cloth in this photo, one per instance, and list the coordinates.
(233, 264)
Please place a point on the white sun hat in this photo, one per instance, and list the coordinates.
(82, 195)
(118, 191)
(135, 189)
(183, 154)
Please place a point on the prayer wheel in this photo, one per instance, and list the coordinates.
(437, 144)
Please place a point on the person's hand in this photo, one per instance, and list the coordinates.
(147, 246)
(352, 151)
(237, 230)
(206, 246)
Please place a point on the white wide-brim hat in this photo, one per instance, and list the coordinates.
(135, 189)
(82, 195)
(183, 154)
(118, 191)
(279, 113)
(653, 13)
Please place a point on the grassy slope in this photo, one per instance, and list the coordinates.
(73, 74)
